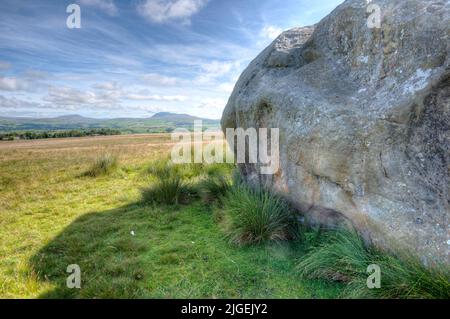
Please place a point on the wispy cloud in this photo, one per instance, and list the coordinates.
(12, 84)
(271, 32)
(30, 80)
(122, 60)
(161, 11)
(227, 87)
(107, 86)
(215, 70)
(127, 66)
(15, 103)
(107, 6)
(155, 79)
(65, 96)
(165, 98)
(213, 103)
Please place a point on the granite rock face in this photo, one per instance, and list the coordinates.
(364, 119)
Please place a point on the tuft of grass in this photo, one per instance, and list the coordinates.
(343, 256)
(164, 168)
(219, 169)
(191, 171)
(160, 168)
(170, 187)
(236, 177)
(103, 165)
(175, 183)
(169, 191)
(254, 216)
(214, 188)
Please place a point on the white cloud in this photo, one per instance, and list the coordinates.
(160, 11)
(207, 74)
(107, 86)
(212, 103)
(218, 68)
(271, 32)
(14, 103)
(30, 80)
(214, 70)
(12, 84)
(164, 98)
(159, 80)
(104, 95)
(64, 96)
(148, 109)
(226, 87)
(107, 6)
(209, 107)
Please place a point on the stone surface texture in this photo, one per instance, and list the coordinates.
(364, 119)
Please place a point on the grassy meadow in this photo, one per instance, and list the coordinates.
(141, 227)
(55, 212)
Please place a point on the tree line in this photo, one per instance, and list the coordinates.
(34, 135)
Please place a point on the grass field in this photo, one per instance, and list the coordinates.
(52, 215)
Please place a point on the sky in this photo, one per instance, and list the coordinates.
(136, 58)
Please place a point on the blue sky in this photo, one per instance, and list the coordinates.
(135, 58)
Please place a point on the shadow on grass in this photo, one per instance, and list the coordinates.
(174, 252)
(109, 256)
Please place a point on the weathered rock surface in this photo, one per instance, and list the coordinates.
(364, 119)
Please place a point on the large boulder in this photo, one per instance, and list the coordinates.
(364, 119)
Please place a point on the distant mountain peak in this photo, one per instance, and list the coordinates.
(162, 114)
(169, 115)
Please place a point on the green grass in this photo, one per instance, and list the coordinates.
(130, 248)
(169, 191)
(171, 186)
(343, 256)
(175, 253)
(50, 219)
(103, 165)
(214, 188)
(254, 216)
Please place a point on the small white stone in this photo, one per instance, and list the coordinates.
(132, 233)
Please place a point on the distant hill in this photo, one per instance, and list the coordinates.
(180, 118)
(160, 122)
(168, 115)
